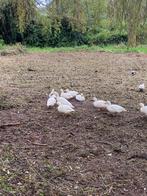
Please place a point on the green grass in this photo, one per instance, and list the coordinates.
(109, 48)
(61, 49)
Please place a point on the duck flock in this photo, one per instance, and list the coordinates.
(66, 107)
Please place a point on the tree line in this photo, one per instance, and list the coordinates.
(73, 22)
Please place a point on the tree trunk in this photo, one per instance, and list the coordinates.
(134, 9)
(132, 34)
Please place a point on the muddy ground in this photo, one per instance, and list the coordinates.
(43, 153)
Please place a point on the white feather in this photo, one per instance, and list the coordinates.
(80, 97)
(63, 101)
(53, 92)
(66, 109)
(114, 108)
(143, 108)
(99, 103)
(72, 93)
(51, 101)
(66, 95)
(141, 87)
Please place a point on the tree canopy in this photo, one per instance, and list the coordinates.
(73, 22)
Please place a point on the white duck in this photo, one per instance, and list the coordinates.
(66, 95)
(72, 93)
(65, 109)
(141, 87)
(53, 92)
(80, 97)
(51, 101)
(63, 101)
(114, 108)
(143, 108)
(101, 104)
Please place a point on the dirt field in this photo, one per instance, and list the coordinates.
(43, 153)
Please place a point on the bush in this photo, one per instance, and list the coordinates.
(142, 37)
(69, 36)
(58, 34)
(105, 37)
(117, 38)
(34, 35)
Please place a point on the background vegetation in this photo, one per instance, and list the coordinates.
(60, 23)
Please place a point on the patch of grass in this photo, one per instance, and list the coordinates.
(109, 48)
(50, 168)
(124, 48)
(2, 45)
(5, 187)
(121, 48)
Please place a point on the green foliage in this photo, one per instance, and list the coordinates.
(68, 36)
(2, 44)
(64, 35)
(14, 15)
(65, 23)
(106, 37)
(33, 34)
(56, 36)
(142, 35)
(8, 23)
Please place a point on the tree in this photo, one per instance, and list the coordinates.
(14, 16)
(134, 16)
(97, 21)
(130, 13)
(25, 11)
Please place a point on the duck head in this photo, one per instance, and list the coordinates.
(67, 90)
(108, 103)
(141, 105)
(94, 99)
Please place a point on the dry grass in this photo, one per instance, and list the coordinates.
(13, 50)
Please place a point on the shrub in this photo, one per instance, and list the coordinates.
(105, 37)
(33, 35)
(59, 33)
(68, 36)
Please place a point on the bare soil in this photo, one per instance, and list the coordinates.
(88, 153)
